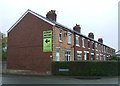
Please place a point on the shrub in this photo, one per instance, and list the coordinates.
(4, 55)
(115, 57)
(86, 68)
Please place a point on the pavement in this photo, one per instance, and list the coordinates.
(24, 78)
(50, 79)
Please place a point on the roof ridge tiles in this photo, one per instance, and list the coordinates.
(52, 22)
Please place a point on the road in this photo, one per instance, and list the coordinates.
(22, 79)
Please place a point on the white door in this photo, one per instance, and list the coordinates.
(57, 54)
(85, 56)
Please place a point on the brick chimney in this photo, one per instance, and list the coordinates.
(91, 35)
(51, 15)
(100, 40)
(77, 28)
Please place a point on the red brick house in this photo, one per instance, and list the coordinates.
(35, 41)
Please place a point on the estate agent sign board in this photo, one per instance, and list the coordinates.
(47, 41)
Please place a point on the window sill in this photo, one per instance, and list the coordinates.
(83, 46)
(69, 43)
(60, 41)
(78, 45)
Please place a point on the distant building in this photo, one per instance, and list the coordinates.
(118, 53)
(35, 41)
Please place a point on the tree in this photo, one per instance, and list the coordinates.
(0, 46)
(4, 47)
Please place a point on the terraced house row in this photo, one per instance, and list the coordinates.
(34, 41)
(71, 45)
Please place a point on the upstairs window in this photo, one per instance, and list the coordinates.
(105, 49)
(69, 37)
(93, 45)
(83, 42)
(102, 48)
(99, 47)
(96, 47)
(77, 40)
(89, 44)
(60, 35)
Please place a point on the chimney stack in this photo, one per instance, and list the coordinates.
(100, 40)
(77, 28)
(91, 35)
(51, 15)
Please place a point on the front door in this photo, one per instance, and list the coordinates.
(57, 54)
(85, 56)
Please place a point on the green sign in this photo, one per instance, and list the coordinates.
(47, 41)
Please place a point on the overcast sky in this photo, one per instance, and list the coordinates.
(97, 16)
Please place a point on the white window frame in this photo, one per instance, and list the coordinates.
(96, 46)
(97, 56)
(104, 57)
(69, 37)
(77, 40)
(93, 45)
(79, 55)
(68, 56)
(58, 52)
(99, 48)
(101, 57)
(60, 35)
(105, 49)
(92, 54)
(89, 44)
(83, 42)
(85, 55)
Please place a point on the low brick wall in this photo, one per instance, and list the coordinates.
(4, 66)
(12, 71)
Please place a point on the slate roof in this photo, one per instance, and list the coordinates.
(118, 51)
(54, 23)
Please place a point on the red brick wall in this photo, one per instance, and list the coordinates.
(25, 43)
(63, 44)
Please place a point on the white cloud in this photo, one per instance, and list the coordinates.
(98, 16)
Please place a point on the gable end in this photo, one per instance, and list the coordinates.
(33, 13)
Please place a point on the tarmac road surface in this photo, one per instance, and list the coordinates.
(22, 79)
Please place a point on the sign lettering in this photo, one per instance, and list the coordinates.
(47, 41)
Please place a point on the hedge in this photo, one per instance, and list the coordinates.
(86, 68)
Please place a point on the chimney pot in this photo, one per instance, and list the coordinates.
(91, 35)
(100, 40)
(77, 28)
(51, 15)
